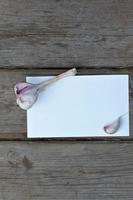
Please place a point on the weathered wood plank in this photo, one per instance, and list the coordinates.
(60, 51)
(107, 17)
(13, 119)
(63, 33)
(66, 170)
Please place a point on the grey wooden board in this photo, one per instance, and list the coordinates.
(58, 33)
(13, 119)
(66, 170)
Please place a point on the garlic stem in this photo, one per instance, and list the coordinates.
(44, 84)
(27, 93)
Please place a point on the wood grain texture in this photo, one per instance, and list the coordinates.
(68, 32)
(43, 35)
(13, 119)
(66, 170)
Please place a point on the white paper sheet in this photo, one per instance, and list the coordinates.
(79, 106)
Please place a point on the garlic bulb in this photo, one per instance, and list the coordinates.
(27, 93)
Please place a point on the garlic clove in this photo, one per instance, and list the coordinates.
(113, 127)
(26, 101)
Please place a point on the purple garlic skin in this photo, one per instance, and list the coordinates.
(113, 127)
(27, 93)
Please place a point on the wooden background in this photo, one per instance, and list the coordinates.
(43, 37)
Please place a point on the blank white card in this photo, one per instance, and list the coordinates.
(79, 106)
